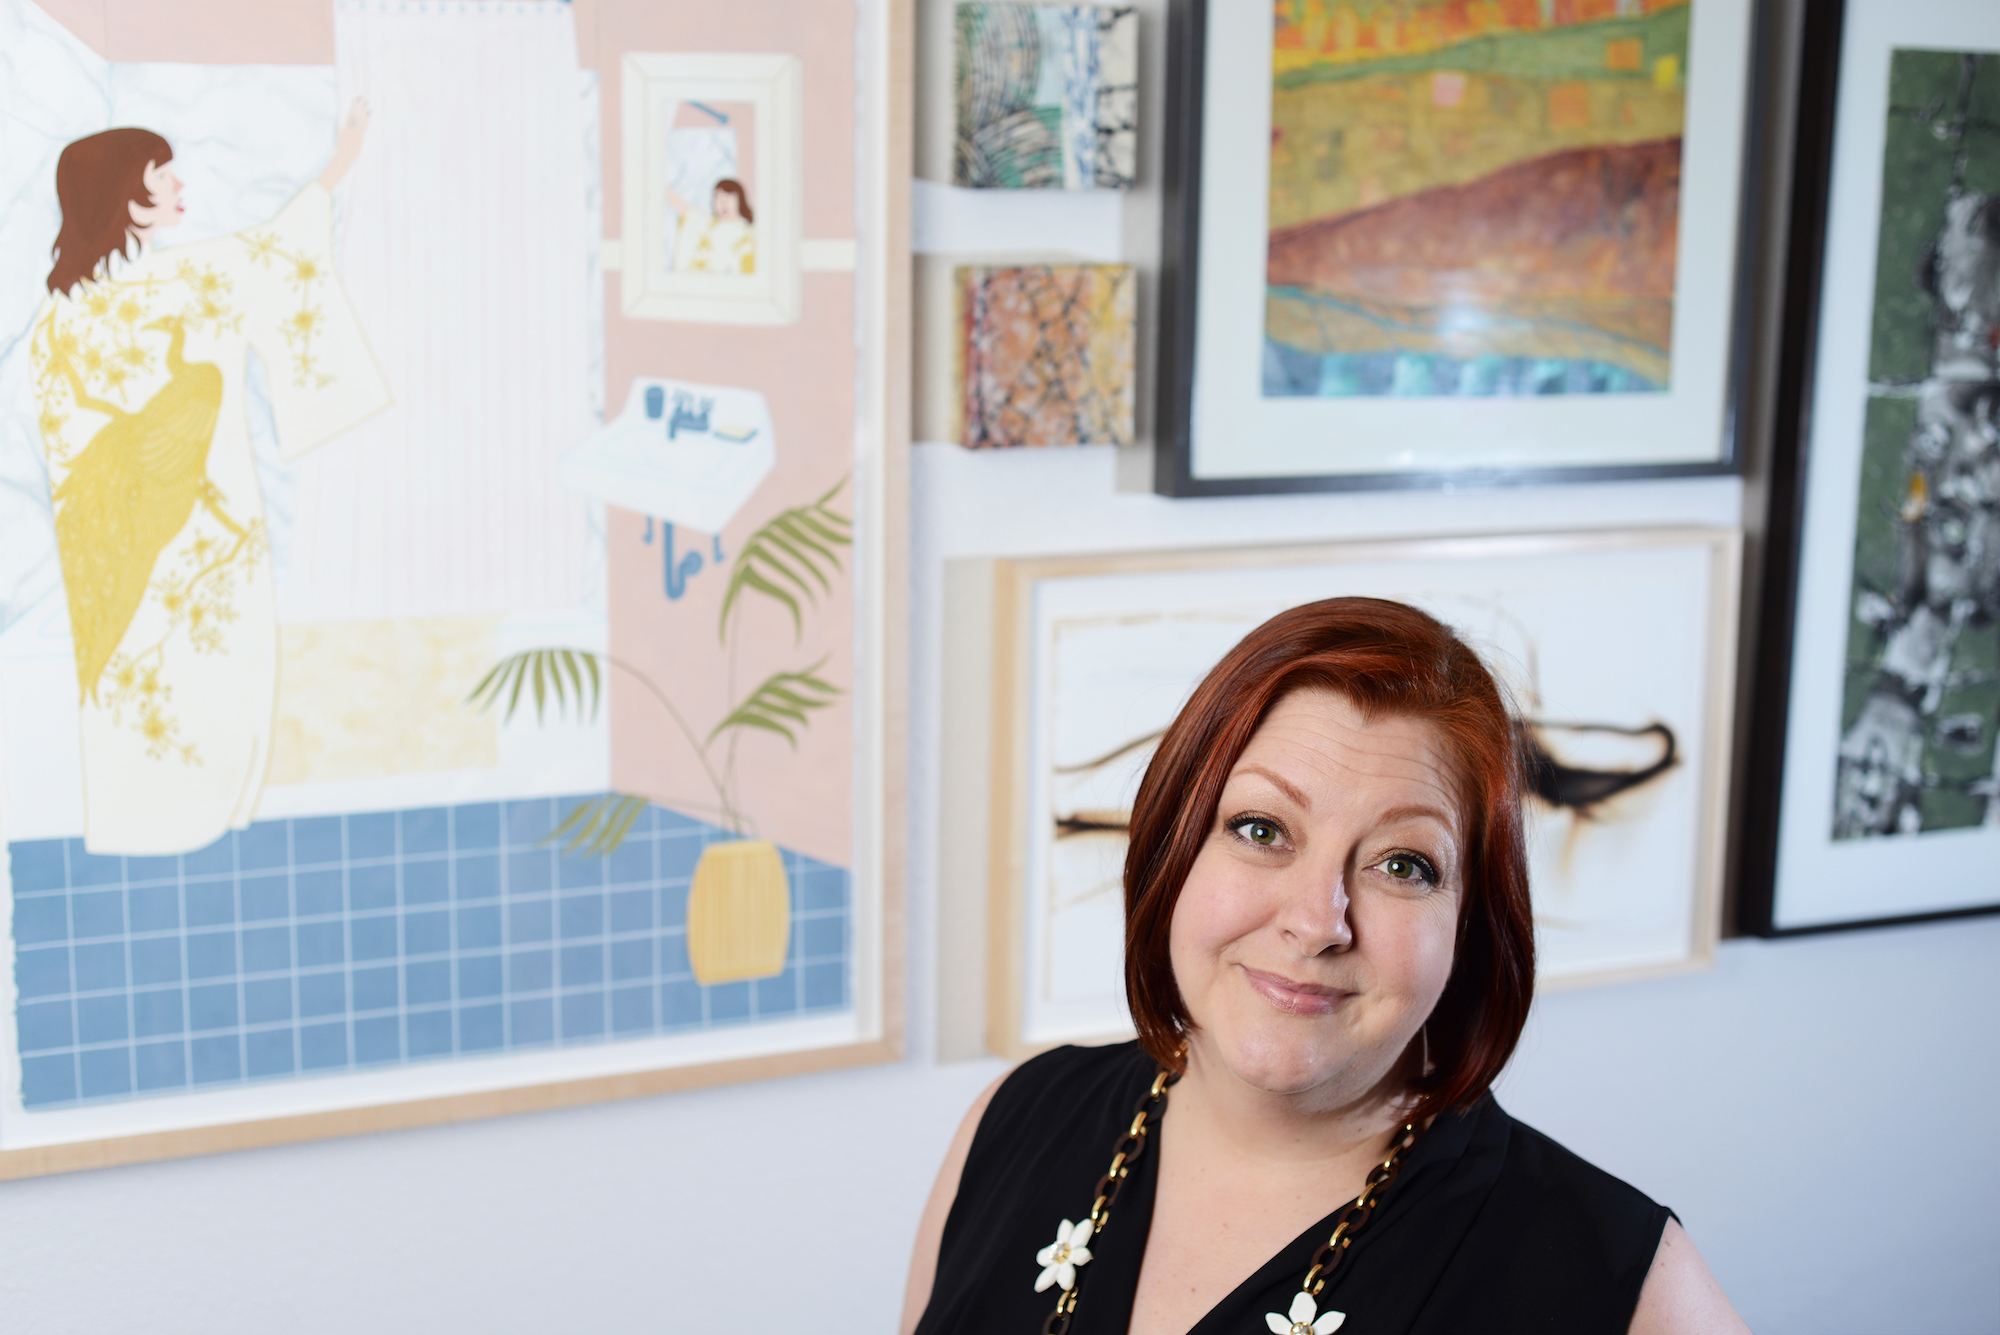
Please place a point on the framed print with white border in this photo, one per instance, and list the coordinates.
(1872, 790)
(1617, 648)
(1406, 248)
(425, 693)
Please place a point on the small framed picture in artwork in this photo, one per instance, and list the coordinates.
(1430, 243)
(714, 172)
(1618, 649)
(1874, 793)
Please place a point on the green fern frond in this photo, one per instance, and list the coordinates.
(549, 674)
(781, 704)
(790, 558)
(597, 827)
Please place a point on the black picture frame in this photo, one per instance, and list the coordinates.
(1180, 260)
(1760, 838)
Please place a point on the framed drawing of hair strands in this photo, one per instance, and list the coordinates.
(1874, 796)
(1420, 242)
(387, 737)
(1617, 649)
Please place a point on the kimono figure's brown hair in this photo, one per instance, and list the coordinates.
(97, 177)
(731, 186)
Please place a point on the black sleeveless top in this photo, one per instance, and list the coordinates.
(1490, 1226)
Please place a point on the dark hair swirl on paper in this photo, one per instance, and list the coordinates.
(1390, 661)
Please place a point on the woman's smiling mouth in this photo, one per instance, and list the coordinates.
(1292, 997)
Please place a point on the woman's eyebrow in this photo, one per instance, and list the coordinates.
(1418, 811)
(1282, 784)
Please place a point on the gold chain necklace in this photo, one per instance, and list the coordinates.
(1126, 1152)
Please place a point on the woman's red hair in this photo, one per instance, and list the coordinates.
(1390, 661)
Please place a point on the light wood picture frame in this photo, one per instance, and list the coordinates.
(156, 1003)
(1635, 689)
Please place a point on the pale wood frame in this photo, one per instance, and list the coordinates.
(882, 611)
(1012, 584)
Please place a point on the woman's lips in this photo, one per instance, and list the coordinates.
(1294, 998)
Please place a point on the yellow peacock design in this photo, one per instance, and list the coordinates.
(124, 498)
(128, 493)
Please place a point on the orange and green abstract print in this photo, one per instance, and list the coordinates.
(1473, 197)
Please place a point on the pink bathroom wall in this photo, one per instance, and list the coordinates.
(802, 798)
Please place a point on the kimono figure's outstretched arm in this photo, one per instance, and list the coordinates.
(346, 144)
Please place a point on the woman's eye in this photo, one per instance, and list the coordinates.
(1262, 832)
(1406, 867)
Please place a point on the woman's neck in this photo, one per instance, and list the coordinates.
(1329, 1127)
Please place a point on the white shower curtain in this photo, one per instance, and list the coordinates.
(464, 245)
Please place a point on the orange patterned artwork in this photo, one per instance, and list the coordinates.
(1474, 197)
(1047, 355)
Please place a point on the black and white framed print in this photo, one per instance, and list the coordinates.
(1872, 795)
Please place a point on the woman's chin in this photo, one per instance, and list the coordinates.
(1284, 1063)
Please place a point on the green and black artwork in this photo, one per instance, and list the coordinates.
(1922, 691)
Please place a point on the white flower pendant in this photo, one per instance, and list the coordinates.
(1060, 1258)
(1301, 1321)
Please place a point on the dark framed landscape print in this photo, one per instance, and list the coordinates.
(1418, 242)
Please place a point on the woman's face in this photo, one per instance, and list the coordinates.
(726, 205)
(166, 209)
(1314, 932)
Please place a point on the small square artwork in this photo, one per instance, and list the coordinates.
(1047, 96)
(1047, 355)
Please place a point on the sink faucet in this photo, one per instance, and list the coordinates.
(687, 414)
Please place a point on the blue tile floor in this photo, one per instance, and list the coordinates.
(339, 943)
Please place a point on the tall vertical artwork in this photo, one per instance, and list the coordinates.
(1921, 705)
(1615, 650)
(1474, 199)
(426, 687)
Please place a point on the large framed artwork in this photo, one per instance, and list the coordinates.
(427, 688)
(1426, 242)
(1618, 649)
(1873, 794)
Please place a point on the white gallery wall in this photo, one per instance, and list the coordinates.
(1818, 1110)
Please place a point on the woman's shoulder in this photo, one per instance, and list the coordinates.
(1560, 1220)
(1547, 1236)
(1062, 1087)
(1559, 1178)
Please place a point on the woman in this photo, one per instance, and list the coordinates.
(1329, 957)
(141, 359)
(719, 240)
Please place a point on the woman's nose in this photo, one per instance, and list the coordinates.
(1315, 912)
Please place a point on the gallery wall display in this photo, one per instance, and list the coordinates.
(1872, 794)
(1429, 243)
(429, 689)
(1619, 652)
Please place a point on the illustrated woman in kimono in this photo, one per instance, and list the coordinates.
(719, 240)
(140, 357)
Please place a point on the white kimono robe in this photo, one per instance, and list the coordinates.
(159, 519)
(704, 243)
